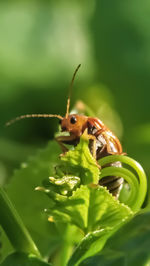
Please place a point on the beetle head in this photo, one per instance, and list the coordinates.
(74, 124)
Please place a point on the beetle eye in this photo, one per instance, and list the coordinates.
(73, 120)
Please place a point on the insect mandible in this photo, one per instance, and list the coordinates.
(102, 142)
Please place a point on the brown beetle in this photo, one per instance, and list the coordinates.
(102, 142)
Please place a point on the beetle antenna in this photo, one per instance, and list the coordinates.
(70, 89)
(32, 116)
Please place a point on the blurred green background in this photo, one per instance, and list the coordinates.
(42, 42)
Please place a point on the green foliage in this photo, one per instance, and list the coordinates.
(14, 227)
(22, 259)
(135, 178)
(21, 191)
(76, 204)
(102, 216)
(81, 162)
(128, 246)
(91, 208)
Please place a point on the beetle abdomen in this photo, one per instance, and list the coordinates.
(112, 183)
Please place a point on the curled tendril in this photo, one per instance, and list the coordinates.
(137, 182)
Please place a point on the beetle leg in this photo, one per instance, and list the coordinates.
(60, 140)
(93, 138)
(103, 148)
(62, 146)
(109, 150)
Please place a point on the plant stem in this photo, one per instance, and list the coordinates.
(67, 247)
(14, 227)
(65, 253)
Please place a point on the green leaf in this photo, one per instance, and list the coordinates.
(0, 244)
(129, 245)
(81, 163)
(76, 167)
(90, 208)
(14, 227)
(22, 259)
(66, 184)
(90, 245)
(29, 204)
(100, 212)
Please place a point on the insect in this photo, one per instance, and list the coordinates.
(102, 142)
